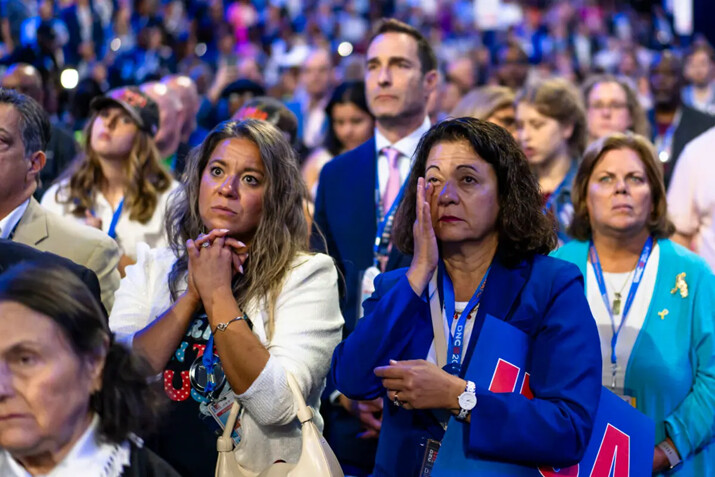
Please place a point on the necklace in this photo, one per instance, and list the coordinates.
(616, 303)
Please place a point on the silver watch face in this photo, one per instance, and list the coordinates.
(467, 401)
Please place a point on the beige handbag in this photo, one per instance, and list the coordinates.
(316, 457)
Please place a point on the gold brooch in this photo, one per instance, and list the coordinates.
(680, 285)
(663, 313)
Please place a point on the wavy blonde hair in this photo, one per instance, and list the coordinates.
(282, 230)
(147, 177)
(484, 101)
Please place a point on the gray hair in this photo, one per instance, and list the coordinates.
(34, 122)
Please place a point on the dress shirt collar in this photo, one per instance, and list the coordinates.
(408, 144)
(9, 222)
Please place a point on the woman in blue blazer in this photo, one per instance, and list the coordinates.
(472, 219)
(656, 297)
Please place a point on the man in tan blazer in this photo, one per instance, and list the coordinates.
(24, 132)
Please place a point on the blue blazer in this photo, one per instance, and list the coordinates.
(345, 214)
(542, 297)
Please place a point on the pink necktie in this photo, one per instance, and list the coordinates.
(393, 180)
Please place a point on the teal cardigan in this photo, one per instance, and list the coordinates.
(671, 370)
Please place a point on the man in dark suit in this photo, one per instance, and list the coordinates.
(12, 253)
(674, 123)
(358, 193)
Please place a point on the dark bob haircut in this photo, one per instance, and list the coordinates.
(126, 403)
(350, 92)
(522, 226)
(658, 223)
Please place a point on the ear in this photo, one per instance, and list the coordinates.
(430, 81)
(95, 365)
(37, 162)
(567, 131)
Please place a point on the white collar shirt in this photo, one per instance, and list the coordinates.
(407, 146)
(10, 221)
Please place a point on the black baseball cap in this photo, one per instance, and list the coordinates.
(142, 109)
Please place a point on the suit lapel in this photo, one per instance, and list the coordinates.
(502, 291)
(32, 228)
(362, 201)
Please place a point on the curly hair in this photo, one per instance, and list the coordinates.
(147, 178)
(522, 226)
(658, 223)
(127, 402)
(282, 230)
(559, 99)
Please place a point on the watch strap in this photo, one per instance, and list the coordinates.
(470, 388)
(670, 453)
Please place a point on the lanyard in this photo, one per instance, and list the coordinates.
(637, 276)
(112, 232)
(664, 144)
(566, 182)
(455, 345)
(209, 360)
(384, 224)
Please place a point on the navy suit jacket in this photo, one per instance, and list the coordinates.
(345, 214)
(542, 297)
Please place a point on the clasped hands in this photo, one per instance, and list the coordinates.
(214, 259)
(419, 384)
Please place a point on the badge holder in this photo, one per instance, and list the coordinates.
(429, 457)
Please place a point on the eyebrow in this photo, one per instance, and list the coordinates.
(390, 59)
(223, 163)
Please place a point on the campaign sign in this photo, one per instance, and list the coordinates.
(621, 444)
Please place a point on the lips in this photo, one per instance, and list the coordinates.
(7, 417)
(622, 207)
(223, 210)
(450, 219)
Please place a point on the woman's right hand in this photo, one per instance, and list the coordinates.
(426, 254)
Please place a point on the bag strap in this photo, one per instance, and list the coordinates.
(440, 341)
(304, 413)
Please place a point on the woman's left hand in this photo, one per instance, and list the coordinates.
(419, 384)
(211, 266)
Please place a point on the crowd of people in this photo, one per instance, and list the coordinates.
(204, 200)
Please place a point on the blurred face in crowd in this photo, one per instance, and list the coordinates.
(113, 133)
(541, 137)
(24, 79)
(665, 82)
(394, 84)
(18, 170)
(352, 125)
(465, 201)
(44, 384)
(317, 74)
(171, 118)
(232, 187)
(607, 110)
(618, 197)
(185, 90)
(699, 69)
(513, 68)
(506, 118)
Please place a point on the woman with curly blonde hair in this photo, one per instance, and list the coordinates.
(118, 185)
(239, 272)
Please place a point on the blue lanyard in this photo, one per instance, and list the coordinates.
(637, 277)
(112, 232)
(456, 340)
(384, 224)
(209, 360)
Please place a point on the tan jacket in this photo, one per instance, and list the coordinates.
(82, 244)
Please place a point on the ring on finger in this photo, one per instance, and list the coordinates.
(205, 245)
(396, 401)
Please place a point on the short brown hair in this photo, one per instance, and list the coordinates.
(658, 224)
(428, 59)
(558, 99)
(523, 228)
(640, 124)
(701, 44)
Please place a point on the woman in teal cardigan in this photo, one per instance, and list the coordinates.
(655, 296)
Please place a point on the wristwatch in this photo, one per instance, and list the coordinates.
(467, 401)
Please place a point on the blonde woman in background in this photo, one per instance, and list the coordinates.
(489, 103)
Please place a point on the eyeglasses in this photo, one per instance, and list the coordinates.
(614, 106)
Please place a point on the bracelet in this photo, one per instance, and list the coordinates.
(223, 326)
(670, 453)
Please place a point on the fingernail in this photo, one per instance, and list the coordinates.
(392, 361)
(223, 230)
(240, 269)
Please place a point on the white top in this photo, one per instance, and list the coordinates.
(634, 322)
(691, 194)
(407, 146)
(128, 232)
(10, 221)
(308, 326)
(459, 307)
(88, 456)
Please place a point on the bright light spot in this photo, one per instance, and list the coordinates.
(664, 156)
(69, 78)
(345, 48)
(116, 44)
(200, 49)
